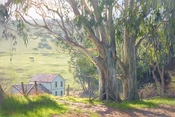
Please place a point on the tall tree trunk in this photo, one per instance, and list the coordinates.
(161, 72)
(162, 85)
(156, 80)
(125, 88)
(108, 85)
(130, 76)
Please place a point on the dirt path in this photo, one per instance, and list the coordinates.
(104, 111)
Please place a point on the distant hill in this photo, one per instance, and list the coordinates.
(44, 42)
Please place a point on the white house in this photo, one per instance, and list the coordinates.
(55, 83)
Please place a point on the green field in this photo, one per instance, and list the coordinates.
(47, 59)
(21, 68)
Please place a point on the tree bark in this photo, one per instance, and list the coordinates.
(125, 88)
(130, 75)
(161, 72)
(156, 80)
(108, 85)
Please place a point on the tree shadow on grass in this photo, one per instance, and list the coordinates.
(37, 105)
(168, 108)
(130, 109)
(131, 104)
(143, 113)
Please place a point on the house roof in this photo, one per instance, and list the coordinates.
(44, 77)
(27, 87)
(61, 77)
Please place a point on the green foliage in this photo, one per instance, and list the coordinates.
(3, 14)
(83, 70)
(35, 49)
(20, 106)
(18, 1)
(44, 45)
(62, 45)
(157, 46)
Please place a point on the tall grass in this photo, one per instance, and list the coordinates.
(31, 106)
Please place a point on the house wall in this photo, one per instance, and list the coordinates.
(47, 85)
(58, 89)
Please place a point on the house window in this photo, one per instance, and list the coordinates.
(61, 93)
(61, 84)
(56, 84)
(56, 93)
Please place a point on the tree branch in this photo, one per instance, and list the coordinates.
(90, 31)
(121, 65)
(34, 25)
(138, 43)
(74, 6)
(103, 37)
(85, 5)
(111, 26)
(81, 48)
(8, 3)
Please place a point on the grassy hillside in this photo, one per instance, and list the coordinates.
(21, 68)
(38, 40)
(33, 106)
(44, 43)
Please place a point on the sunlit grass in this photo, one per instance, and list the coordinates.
(92, 114)
(151, 103)
(82, 100)
(31, 106)
(77, 110)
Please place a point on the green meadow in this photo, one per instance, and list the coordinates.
(21, 68)
(48, 58)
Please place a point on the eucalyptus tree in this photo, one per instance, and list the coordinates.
(158, 48)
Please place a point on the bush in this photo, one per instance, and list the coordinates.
(149, 90)
(35, 49)
(170, 92)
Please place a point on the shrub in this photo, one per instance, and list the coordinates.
(149, 90)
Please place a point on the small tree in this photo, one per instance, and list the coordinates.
(84, 71)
